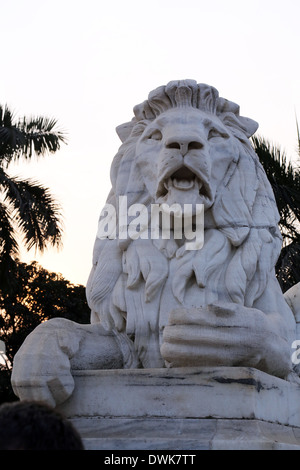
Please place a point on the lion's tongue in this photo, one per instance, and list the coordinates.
(182, 191)
(183, 184)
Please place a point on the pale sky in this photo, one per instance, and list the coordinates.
(87, 63)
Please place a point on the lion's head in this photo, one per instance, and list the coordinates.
(185, 145)
(184, 151)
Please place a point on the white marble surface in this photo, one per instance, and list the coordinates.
(222, 392)
(194, 408)
(182, 434)
(154, 302)
(218, 305)
(292, 296)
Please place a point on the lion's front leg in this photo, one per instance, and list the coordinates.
(228, 335)
(42, 369)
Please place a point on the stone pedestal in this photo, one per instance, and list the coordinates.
(185, 409)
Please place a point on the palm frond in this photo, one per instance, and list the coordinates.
(39, 218)
(6, 116)
(25, 137)
(11, 138)
(298, 136)
(34, 211)
(285, 182)
(8, 243)
(25, 206)
(287, 267)
(8, 250)
(41, 136)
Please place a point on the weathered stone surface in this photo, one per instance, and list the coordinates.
(193, 408)
(223, 392)
(191, 434)
(188, 322)
(163, 299)
(292, 296)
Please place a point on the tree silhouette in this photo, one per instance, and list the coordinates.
(26, 207)
(38, 296)
(285, 181)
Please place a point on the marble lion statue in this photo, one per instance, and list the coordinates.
(155, 302)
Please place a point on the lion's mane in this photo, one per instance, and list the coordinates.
(134, 284)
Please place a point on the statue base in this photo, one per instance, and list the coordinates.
(201, 408)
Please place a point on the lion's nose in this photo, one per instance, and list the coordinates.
(184, 145)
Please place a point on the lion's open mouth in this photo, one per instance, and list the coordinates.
(182, 179)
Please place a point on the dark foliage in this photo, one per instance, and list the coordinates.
(38, 296)
(26, 207)
(285, 181)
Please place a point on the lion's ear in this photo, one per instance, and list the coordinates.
(248, 125)
(124, 130)
(241, 126)
(229, 113)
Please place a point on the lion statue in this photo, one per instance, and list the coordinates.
(155, 302)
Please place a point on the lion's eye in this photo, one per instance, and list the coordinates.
(156, 135)
(217, 135)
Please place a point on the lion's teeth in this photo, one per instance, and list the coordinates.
(168, 183)
(183, 184)
(198, 184)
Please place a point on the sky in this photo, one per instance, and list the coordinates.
(88, 63)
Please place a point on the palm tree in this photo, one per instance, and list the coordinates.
(285, 181)
(26, 207)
